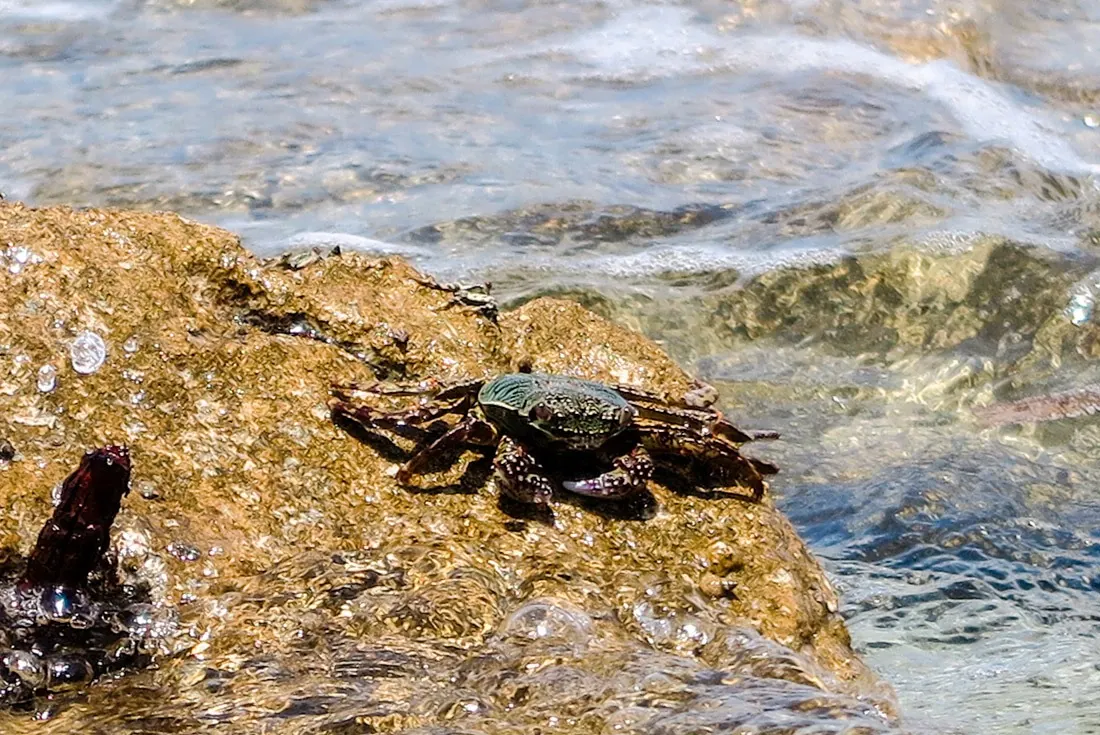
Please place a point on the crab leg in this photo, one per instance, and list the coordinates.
(519, 474)
(470, 430)
(701, 397)
(430, 387)
(726, 461)
(403, 423)
(654, 407)
(660, 408)
(634, 393)
(708, 421)
(378, 388)
(630, 474)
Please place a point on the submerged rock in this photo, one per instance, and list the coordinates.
(316, 594)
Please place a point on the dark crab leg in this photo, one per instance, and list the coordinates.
(707, 420)
(424, 388)
(407, 423)
(630, 474)
(722, 456)
(701, 397)
(634, 393)
(470, 430)
(769, 434)
(660, 408)
(519, 475)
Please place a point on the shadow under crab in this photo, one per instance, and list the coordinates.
(554, 431)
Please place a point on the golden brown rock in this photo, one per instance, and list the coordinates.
(314, 592)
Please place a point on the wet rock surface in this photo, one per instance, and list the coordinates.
(315, 594)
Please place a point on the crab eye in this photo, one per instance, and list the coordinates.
(541, 413)
(626, 416)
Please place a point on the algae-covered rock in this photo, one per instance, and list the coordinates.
(313, 593)
(1025, 308)
(909, 298)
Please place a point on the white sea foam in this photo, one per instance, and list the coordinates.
(328, 240)
(55, 11)
(658, 42)
(697, 259)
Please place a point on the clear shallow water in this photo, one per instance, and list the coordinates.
(656, 152)
(967, 558)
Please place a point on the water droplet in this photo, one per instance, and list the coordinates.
(68, 671)
(183, 552)
(26, 666)
(87, 352)
(1080, 308)
(131, 345)
(134, 429)
(147, 621)
(546, 619)
(18, 257)
(61, 604)
(47, 378)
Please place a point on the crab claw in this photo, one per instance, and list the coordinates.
(520, 476)
(630, 475)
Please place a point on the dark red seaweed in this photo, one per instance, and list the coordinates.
(73, 541)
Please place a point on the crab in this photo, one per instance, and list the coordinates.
(551, 431)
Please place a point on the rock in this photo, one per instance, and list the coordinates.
(314, 592)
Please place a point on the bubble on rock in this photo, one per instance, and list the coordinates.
(183, 551)
(87, 352)
(142, 618)
(68, 671)
(150, 622)
(547, 620)
(628, 719)
(131, 345)
(47, 378)
(20, 256)
(83, 619)
(675, 629)
(655, 626)
(59, 604)
(26, 666)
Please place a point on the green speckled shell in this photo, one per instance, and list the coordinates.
(585, 414)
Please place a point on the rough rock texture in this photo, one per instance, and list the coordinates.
(316, 595)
